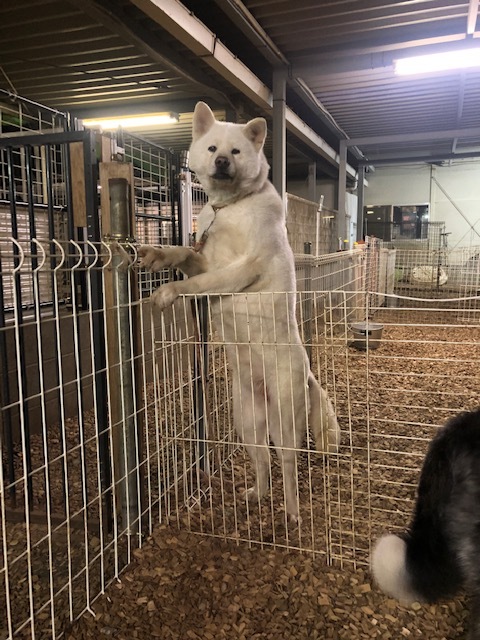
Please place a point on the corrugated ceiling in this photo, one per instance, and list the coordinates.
(344, 52)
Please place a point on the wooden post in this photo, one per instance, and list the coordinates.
(79, 203)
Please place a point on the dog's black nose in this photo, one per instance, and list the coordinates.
(222, 163)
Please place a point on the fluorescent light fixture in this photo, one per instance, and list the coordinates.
(459, 59)
(131, 122)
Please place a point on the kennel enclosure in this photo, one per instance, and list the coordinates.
(116, 419)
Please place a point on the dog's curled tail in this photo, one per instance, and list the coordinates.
(389, 568)
(322, 419)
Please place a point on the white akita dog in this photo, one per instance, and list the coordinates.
(243, 250)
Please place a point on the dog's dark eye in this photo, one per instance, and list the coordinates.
(212, 148)
(235, 151)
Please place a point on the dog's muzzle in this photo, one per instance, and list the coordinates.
(222, 166)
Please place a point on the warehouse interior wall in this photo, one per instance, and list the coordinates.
(328, 188)
(452, 191)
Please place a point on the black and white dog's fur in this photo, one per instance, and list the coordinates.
(440, 553)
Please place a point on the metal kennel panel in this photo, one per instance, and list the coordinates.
(163, 409)
(446, 274)
(21, 115)
(343, 272)
(155, 172)
(34, 205)
(32, 224)
(389, 401)
(311, 229)
(56, 492)
(464, 277)
(204, 465)
(158, 199)
(425, 371)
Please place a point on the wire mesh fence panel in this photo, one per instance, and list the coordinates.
(389, 401)
(82, 474)
(155, 201)
(19, 114)
(310, 229)
(424, 372)
(445, 274)
(116, 417)
(56, 492)
(208, 467)
(199, 200)
(63, 544)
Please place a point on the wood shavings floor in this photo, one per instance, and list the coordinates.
(183, 586)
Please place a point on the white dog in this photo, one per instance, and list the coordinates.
(243, 250)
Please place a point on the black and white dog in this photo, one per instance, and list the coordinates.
(440, 553)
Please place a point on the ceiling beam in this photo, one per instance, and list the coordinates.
(472, 17)
(471, 132)
(369, 58)
(111, 15)
(248, 25)
(379, 162)
(175, 18)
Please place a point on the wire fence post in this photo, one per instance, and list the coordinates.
(121, 293)
(307, 301)
(200, 376)
(84, 168)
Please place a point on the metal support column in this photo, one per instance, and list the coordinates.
(342, 192)
(126, 429)
(121, 293)
(94, 235)
(279, 160)
(360, 201)
(312, 181)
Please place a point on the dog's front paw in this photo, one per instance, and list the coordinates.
(165, 295)
(152, 258)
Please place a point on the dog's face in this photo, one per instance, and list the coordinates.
(227, 157)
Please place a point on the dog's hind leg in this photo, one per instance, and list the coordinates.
(287, 420)
(249, 414)
(322, 419)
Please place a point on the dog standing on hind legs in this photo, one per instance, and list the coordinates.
(243, 251)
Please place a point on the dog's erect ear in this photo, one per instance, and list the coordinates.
(256, 132)
(203, 119)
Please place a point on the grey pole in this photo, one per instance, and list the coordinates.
(279, 139)
(342, 190)
(125, 431)
(360, 201)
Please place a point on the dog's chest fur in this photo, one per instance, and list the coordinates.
(254, 227)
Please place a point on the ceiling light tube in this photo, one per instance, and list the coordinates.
(445, 61)
(131, 122)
